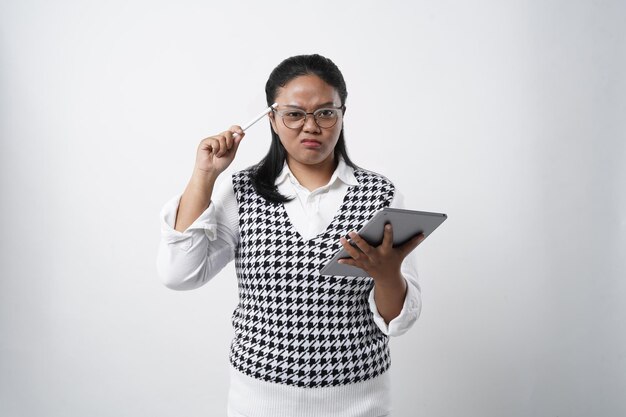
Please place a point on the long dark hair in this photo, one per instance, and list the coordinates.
(264, 173)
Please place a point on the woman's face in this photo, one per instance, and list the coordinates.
(310, 144)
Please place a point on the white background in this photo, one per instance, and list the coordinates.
(507, 115)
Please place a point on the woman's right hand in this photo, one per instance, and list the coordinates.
(216, 153)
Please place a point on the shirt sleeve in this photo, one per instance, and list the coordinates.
(189, 259)
(412, 306)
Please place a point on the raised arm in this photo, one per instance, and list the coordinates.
(214, 155)
(198, 237)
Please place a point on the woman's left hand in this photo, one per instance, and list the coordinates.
(381, 262)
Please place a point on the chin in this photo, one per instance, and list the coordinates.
(317, 159)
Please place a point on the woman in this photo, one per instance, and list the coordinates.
(305, 344)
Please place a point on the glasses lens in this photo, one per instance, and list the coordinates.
(293, 118)
(326, 117)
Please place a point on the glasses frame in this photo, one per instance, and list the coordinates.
(281, 113)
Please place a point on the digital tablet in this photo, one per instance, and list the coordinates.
(405, 223)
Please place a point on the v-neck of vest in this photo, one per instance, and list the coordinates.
(328, 227)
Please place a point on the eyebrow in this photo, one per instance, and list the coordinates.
(328, 103)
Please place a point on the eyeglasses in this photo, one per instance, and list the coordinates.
(325, 118)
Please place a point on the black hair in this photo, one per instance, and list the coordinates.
(264, 173)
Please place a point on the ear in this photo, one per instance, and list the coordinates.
(273, 121)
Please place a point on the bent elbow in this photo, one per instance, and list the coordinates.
(173, 283)
(179, 276)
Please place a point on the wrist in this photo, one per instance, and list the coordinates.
(203, 178)
(392, 281)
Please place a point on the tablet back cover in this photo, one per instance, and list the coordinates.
(406, 224)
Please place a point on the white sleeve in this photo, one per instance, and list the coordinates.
(413, 299)
(189, 259)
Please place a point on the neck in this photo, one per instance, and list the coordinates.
(315, 175)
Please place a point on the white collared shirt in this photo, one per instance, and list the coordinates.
(314, 210)
(189, 259)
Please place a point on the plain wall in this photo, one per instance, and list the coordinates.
(506, 115)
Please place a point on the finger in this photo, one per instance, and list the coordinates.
(237, 131)
(349, 261)
(230, 135)
(223, 147)
(210, 144)
(352, 251)
(237, 141)
(230, 139)
(388, 237)
(236, 135)
(361, 243)
(408, 247)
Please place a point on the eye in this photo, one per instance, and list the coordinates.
(294, 114)
(326, 113)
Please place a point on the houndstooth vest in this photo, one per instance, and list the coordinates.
(292, 325)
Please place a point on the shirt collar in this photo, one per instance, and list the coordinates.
(343, 172)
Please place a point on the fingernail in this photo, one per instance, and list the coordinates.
(388, 227)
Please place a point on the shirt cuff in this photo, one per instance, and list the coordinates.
(206, 223)
(411, 310)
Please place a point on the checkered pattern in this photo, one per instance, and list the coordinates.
(292, 325)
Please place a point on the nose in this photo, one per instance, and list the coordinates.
(310, 125)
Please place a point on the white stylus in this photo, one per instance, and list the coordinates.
(259, 117)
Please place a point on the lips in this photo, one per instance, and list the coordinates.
(311, 143)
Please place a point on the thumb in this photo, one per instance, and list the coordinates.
(237, 140)
(237, 134)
